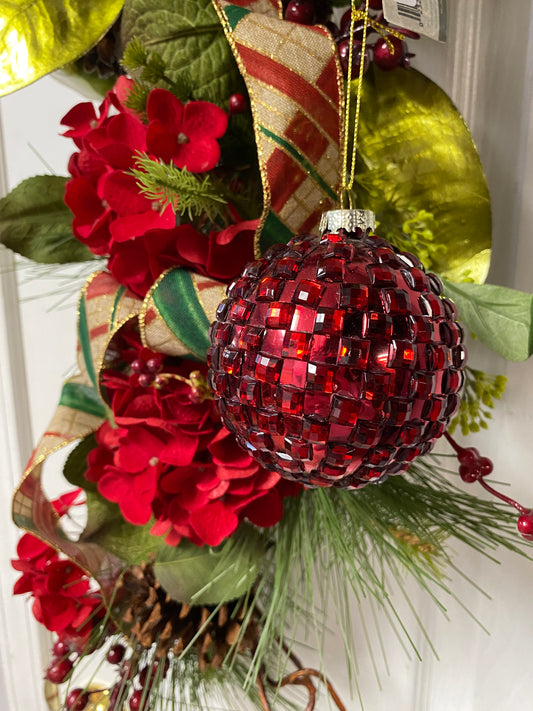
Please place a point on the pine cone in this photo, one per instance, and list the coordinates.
(157, 619)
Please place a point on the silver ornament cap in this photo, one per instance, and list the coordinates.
(350, 220)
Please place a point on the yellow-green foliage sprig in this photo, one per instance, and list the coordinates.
(480, 391)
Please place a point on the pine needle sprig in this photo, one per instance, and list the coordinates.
(366, 545)
(479, 392)
(150, 70)
(185, 192)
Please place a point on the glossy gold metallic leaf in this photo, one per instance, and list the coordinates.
(39, 36)
(419, 171)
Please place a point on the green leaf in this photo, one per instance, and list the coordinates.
(76, 464)
(500, 317)
(38, 37)
(211, 575)
(416, 154)
(190, 39)
(36, 223)
(106, 527)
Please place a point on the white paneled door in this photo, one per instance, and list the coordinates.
(487, 67)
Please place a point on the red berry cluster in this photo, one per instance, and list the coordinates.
(141, 680)
(473, 467)
(308, 12)
(59, 671)
(387, 52)
(138, 679)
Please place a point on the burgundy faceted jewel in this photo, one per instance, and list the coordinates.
(335, 359)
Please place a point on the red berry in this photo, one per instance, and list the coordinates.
(468, 456)
(484, 466)
(77, 700)
(148, 673)
(468, 473)
(386, 58)
(138, 365)
(345, 21)
(300, 11)
(525, 525)
(145, 380)
(154, 364)
(237, 104)
(116, 654)
(345, 27)
(344, 56)
(58, 670)
(135, 701)
(60, 648)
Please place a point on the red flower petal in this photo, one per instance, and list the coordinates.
(56, 611)
(161, 142)
(121, 193)
(214, 522)
(197, 156)
(265, 511)
(82, 198)
(165, 107)
(120, 92)
(30, 547)
(65, 578)
(180, 450)
(230, 250)
(202, 120)
(23, 585)
(80, 118)
(137, 449)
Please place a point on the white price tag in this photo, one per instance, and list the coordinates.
(427, 17)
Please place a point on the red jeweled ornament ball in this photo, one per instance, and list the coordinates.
(335, 360)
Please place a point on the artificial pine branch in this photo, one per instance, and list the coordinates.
(184, 191)
(151, 70)
(366, 544)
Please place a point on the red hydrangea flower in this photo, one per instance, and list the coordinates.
(169, 456)
(63, 600)
(223, 255)
(111, 215)
(185, 135)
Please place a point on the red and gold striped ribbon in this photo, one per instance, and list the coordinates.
(295, 85)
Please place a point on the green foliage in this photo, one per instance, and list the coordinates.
(135, 55)
(137, 98)
(76, 464)
(191, 41)
(416, 235)
(364, 545)
(36, 223)
(479, 392)
(184, 191)
(500, 317)
(417, 163)
(206, 575)
(150, 70)
(39, 37)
